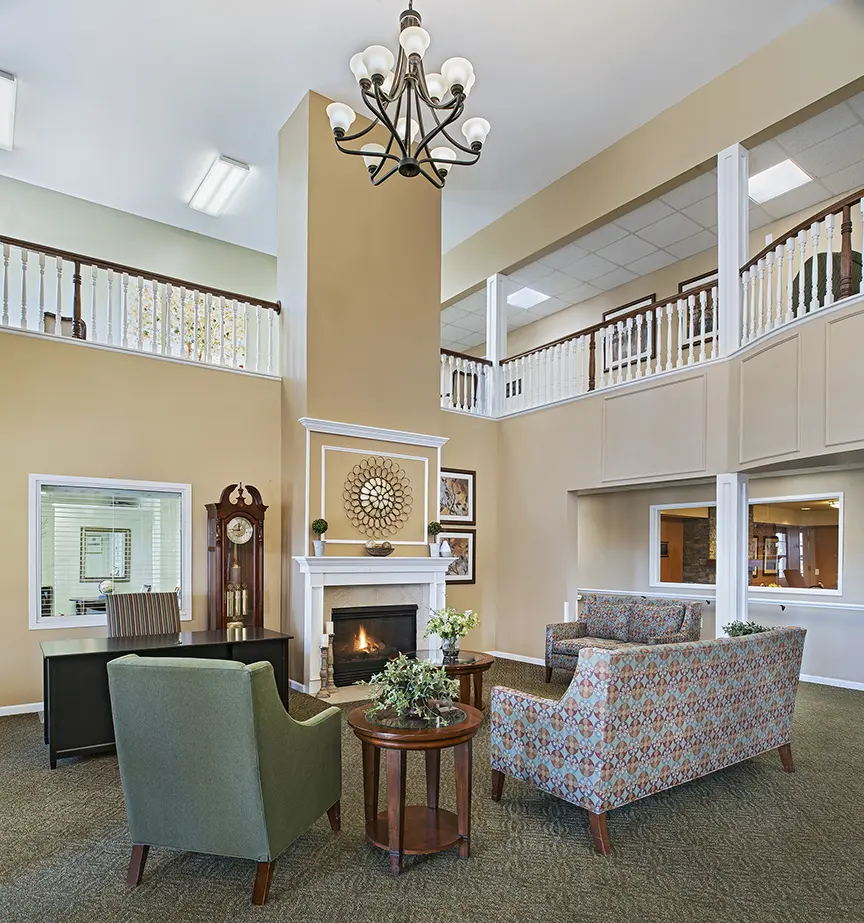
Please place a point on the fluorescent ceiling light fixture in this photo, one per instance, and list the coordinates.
(773, 182)
(8, 92)
(219, 186)
(526, 298)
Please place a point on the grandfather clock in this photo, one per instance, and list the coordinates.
(235, 559)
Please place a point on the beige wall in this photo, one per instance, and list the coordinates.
(41, 216)
(74, 410)
(766, 88)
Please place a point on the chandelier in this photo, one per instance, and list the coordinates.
(416, 109)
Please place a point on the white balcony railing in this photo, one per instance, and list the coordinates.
(465, 383)
(105, 303)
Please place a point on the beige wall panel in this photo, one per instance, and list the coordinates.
(70, 409)
(770, 401)
(656, 431)
(844, 380)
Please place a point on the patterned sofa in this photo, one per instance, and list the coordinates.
(639, 720)
(615, 622)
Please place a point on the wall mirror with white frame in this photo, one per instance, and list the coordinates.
(684, 544)
(93, 536)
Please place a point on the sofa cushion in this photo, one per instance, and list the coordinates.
(648, 620)
(574, 645)
(607, 617)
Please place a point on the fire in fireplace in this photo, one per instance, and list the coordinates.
(366, 637)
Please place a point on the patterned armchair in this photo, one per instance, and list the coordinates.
(616, 622)
(642, 719)
(142, 614)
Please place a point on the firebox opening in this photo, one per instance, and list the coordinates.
(366, 637)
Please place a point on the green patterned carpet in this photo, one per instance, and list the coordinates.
(749, 843)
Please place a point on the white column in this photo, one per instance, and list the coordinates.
(732, 549)
(733, 228)
(496, 339)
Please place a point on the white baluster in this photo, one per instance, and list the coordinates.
(24, 255)
(815, 228)
(617, 339)
(139, 327)
(745, 307)
(703, 308)
(208, 326)
(271, 364)
(442, 362)
(669, 337)
(681, 306)
(5, 317)
(753, 271)
(110, 307)
(221, 330)
(769, 294)
(124, 310)
(154, 316)
(829, 261)
(91, 333)
(778, 261)
(639, 346)
(58, 323)
(761, 316)
(41, 292)
(258, 312)
(185, 351)
(167, 332)
(790, 273)
(234, 356)
(691, 328)
(802, 248)
(628, 339)
(657, 336)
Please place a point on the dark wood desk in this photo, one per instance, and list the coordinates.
(75, 679)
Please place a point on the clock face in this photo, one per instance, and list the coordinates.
(239, 530)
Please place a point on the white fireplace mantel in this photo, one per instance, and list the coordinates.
(328, 571)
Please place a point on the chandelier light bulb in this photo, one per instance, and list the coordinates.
(475, 130)
(378, 60)
(387, 86)
(443, 153)
(436, 86)
(457, 72)
(341, 116)
(414, 40)
(358, 68)
(470, 84)
(369, 156)
(400, 129)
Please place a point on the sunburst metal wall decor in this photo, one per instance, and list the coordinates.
(377, 497)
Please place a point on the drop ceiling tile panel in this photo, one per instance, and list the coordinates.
(670, 230)
(475, 339)
(848, 180)
(552, 306)
(626, 250)
(580, 293)
(602, 237)
(693, 191)
(453, 314)
(564, 256)
(704, 212)
(766, 155)
(615, 278)
(553, 284)
(652, 263)
(647, 214)
(519, 319)
(818, 129)
(796, 200)
(833, 154)
(474, 323)
(529, 274)
(758, 217)
(588, 268)
(698, 243)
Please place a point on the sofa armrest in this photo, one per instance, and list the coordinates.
(561, 631)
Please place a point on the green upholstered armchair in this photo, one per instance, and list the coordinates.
(211, 762)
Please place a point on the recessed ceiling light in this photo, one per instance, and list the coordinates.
(526, 298)
(782, 177)
(219, 186)
(806, 509)
(8, 92)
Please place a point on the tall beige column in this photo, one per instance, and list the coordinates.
(359, 278)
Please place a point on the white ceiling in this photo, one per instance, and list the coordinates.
(677, 225)
(126, 104)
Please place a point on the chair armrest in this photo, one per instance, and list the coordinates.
(508, 705)
(316, 720)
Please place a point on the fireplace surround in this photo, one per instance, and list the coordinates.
(366, 637)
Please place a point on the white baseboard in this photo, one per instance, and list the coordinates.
(297, 687)
(539, 661)
(830, 681)
(27, 709)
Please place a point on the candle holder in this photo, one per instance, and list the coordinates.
(331, 684)
(324, 692)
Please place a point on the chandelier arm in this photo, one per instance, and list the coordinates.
(461, 147)
(360, 134)
(377, 180)
(388, 122)
(423, 91)
(439, 128)
(361, 153)
(399, 75)
(456, 163)
(437, 183)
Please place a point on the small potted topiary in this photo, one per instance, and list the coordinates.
(736, 629)
(411, 692)
(433, 529)
(319, 527)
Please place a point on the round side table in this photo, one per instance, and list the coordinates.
(415, 829)
(468, 664)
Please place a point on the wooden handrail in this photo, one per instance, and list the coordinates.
(595, 328)
(834, 209)
(80, 260)
(479, 359)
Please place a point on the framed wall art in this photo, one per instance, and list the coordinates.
(456, 497)
(464, 552)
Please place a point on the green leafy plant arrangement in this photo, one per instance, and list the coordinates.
(451, 623)
(736, 628)
(320, 526)
(434, 528)
(412, 688)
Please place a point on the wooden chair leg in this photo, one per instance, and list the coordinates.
(136, 865)
(548, 674)
(786, 757)
(600, 833)
(263, 875)
(497, 784)
(334, 815)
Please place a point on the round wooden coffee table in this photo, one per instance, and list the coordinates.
(466, 665)
(415, 829)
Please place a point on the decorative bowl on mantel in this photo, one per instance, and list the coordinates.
(378, 549)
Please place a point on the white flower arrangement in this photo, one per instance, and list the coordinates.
(450, 623)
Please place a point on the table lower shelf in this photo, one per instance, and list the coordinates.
(426, 830)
